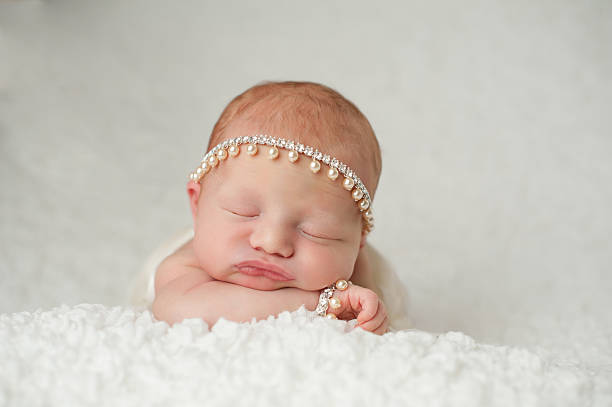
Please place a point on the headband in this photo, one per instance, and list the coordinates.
(351, 181)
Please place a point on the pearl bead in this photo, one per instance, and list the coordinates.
(222, 154)
(348, 183)
(293, 156)
(330, 316)
(332, 173)
(252, 149)
(315, 166)
(341, 285)
(357, 194)
(272, 153)
(233, 150)
(335, 303)
(364, 204)
(212, 161)
(199, 171)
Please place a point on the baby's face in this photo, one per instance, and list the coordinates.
(255, 214)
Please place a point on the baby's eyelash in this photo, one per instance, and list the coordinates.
(242, 215)
(317, 236)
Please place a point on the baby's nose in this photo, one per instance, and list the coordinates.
(272, 239)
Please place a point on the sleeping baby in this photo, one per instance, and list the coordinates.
(281, 206)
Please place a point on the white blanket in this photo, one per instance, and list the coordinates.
(121, 356)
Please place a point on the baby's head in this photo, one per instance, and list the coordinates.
(268, 221)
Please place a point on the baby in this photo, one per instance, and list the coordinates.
(277, 224)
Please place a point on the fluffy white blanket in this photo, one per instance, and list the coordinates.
(121, 356)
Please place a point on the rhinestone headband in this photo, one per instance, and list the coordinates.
(351, 181)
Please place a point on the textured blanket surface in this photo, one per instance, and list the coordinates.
(121, 356)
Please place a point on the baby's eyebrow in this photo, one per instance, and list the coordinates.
(325, 217)
(230, 189)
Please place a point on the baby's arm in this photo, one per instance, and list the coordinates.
(190, 297)
(183, 290)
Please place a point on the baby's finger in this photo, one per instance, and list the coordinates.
(375, 322)
(370, 305)
(383, 327)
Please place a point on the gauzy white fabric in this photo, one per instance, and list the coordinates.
(121, 356)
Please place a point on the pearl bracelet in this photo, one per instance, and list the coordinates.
(326, 300)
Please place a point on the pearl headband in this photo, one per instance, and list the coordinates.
(351, 181)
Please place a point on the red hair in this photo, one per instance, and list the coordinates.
(312, 114)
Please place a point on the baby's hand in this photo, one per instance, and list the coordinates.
(363, 304)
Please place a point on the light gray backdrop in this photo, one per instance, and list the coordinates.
(493, 117)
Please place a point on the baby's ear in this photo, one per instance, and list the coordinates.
(193, 191)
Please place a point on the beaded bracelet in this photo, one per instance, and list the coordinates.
(326, 299)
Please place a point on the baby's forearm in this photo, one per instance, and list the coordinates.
(215, 299)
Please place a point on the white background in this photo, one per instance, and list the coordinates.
(493, 118)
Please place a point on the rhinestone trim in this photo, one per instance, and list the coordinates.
(309, 151)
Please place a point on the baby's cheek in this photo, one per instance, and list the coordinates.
(328, 270)
(207, 254)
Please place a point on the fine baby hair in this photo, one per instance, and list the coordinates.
(311, 114)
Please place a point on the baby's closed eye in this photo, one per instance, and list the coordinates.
(319, 233)
(242, 212)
